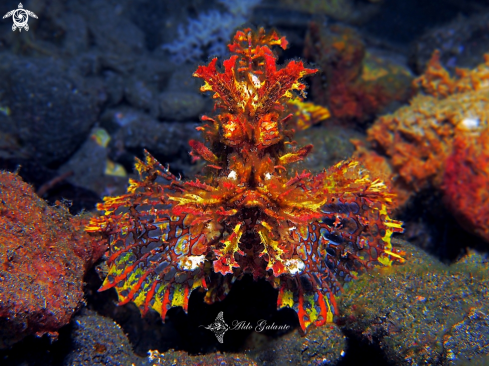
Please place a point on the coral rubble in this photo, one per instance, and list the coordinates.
(44, 253)
(304, 233)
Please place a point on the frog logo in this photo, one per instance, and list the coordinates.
(20, 17)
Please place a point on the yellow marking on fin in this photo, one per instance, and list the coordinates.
(393, 224)
(311, 311)
(329, 316)
(385, 261)
(178, 296)
(198, 282)
(158, 304)
(288, 299)
(393, 254)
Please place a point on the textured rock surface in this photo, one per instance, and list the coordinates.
(416, 312)
(90, 168)
(49, 119)
(172, 357)
(417, 139)
(166, 140)
(461, 43)
(99, 341)
(180, 106)
(331, 145)
(467, 339)
(118, 35)
(43, 257)
(355, 83)
(466, 180)
(324, 345)
(141, 95)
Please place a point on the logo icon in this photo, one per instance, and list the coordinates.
(219, 327)
(20, 17)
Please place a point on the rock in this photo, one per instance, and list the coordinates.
(180, 106)
(114, 84)
(114, 118)
(417, 139)
(183, 80)
(9, 146)
(167, 141)
(347, 11)
(182, 358)
(141, 96)
(161, 138)
(50, 118)
(94, 62)
(44, 254)
(97, 88)
(76, 40)
(90, 169)
(473, 263)
(411, 310)
(155, 71)
(121, 63)
(111, 31)
(321, 346)
(467, 339)
(461, 43)
(356, 83)
(331, 145)
(99, 341)
(61, 31)
(158, 20)
(466, 180)
(148, 77)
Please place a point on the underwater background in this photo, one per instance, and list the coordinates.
(402, 87)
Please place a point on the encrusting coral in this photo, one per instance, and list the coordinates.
(466, 182)
(44, 255)
(418, 139)
(305, 234)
